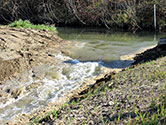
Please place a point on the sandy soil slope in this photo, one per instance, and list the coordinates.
(21, 49)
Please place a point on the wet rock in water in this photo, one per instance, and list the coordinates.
(66, 71)
(33, 86)
(8, 90)
(53, 73)
(17, 92)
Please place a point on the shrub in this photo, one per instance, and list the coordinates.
(26, 24)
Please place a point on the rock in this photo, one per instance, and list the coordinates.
(33, 86)
(111, 103)
(17, 92)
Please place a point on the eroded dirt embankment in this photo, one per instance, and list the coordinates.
(21, 49)
(30, 53)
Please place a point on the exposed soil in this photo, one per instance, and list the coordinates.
(150, 54)
(116, 98)
(21, 49)
(114, 94)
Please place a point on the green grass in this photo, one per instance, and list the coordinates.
(36, 121)
(55, 113)
(154, 114)
(26, 24)
(156, 117)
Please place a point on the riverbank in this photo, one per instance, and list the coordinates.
(34, 76)
(21, 49)
(26, 57)
(135, 95)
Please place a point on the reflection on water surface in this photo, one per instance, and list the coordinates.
(106, 45)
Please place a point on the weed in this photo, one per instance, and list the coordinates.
(26, 24)
(163, 87)
(36, 120)
(55, 114)
(153, 104)
(72, 118)
(117, 79)
(68, 110)
(89, 94)
(154, 119)
(151, 93)
(129, 122)
(119, 116)
(142, 116)
(106, 89)
(74, 102)
(95, 109)
(96, 91)
(103, 121)
(159, 75)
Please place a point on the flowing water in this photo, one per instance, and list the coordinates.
(44, 84)
(106, 45)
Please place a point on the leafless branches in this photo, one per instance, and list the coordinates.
(111, 13)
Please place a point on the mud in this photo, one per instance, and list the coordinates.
(21, 49)
(27, 56)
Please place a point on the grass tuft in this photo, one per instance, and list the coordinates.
(26, 24)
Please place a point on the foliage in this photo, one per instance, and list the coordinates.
(156, 116)
(126, 14)
(26, 24)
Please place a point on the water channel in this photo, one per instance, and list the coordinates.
(107, 46)
(96, 49)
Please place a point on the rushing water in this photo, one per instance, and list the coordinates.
(36, 88)
(42, 85)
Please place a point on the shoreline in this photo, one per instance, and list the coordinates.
(36, 48)
(42, 51)
(20, 51)
(133, 89)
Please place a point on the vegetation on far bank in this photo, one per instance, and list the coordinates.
(136, 95)
(125, 14)
(26, 24)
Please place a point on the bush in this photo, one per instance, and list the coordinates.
(26, 24)
(126, 14)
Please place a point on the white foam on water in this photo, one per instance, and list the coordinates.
(66, 78)
(62, 57)
(47, 83)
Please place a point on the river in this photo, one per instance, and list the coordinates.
(106, 46)
(96, 48)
